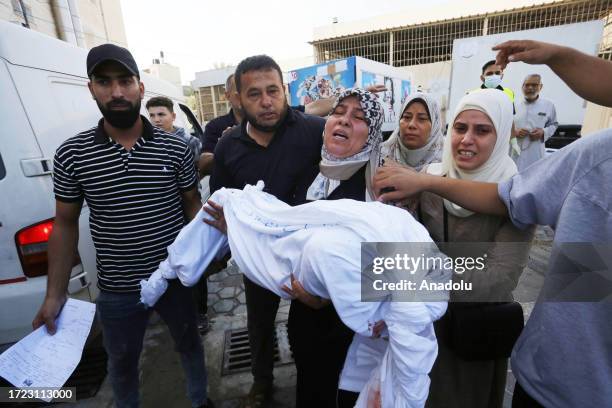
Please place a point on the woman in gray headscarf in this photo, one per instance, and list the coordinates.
(349, 158)
(418, 139)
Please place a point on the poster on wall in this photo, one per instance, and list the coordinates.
(321, 81)
(327, 79)
(406, 89)
(388, 96)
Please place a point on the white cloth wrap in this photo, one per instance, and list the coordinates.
(320, 243)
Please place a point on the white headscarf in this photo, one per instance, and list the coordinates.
(499, 166)
(333, 169)
(421, 157)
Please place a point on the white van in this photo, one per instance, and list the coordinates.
(44, 100)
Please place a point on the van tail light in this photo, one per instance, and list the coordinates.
(32, 243)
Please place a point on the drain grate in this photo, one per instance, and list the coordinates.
(237, 351)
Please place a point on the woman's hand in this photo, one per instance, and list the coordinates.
(215, 211)
(298, 292)
(396, 183)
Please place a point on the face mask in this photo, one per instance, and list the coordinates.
(492, 81)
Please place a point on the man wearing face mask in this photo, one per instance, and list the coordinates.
(140, 185)
(491, 77)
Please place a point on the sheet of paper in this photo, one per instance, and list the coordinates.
(42, 360)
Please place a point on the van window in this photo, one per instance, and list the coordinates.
(2, 169)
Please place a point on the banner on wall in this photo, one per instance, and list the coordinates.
(321, 81)
(324, 80)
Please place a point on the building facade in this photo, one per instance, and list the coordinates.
(426, 42)
(85, 23)
(163, 70)
(209, 91)
(422, 40)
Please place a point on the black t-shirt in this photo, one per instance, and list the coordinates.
(353, 188)
(214, 129)
(288, 165)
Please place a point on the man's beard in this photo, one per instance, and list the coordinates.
(263, 128)
(122, 119)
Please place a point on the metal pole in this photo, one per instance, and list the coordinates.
(391, 48)
(25, 15)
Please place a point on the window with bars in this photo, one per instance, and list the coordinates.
(433, 42)
(213, 102)
(206, 103)
(220, 101)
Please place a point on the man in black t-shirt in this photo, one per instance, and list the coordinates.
(282, 147)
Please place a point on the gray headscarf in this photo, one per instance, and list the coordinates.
(421, 157)
(333, 169)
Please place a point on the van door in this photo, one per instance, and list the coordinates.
(59, 106)
(196, 129)
(26, 205)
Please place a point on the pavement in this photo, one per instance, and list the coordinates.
(162, 381)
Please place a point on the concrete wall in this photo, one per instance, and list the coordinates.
(40, 19)
(102, 20)
(167, 72)
(433, 78)
(416, 13)
(596, 118)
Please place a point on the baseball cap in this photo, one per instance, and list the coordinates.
(111, 52)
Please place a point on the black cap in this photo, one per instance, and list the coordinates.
(111, 52)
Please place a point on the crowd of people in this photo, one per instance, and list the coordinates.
(485, 180)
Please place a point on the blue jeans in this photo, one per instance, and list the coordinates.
(124, 320)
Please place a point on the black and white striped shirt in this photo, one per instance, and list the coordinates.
(133, 196)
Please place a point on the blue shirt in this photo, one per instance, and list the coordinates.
(563, 358)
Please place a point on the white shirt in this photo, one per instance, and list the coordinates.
(539, 114)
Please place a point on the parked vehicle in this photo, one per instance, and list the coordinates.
(44, 101)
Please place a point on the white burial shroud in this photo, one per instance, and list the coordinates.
(320, 244)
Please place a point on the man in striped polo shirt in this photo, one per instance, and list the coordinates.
(140, 185)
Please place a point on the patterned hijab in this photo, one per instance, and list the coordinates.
(499, 166)
(432, 151)
(333, 169)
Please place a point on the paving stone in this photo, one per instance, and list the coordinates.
(232, 281)
(227, 293)
(217, 277)
(240, 309)
(241, 298)
(223, 306)
(214, 287)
